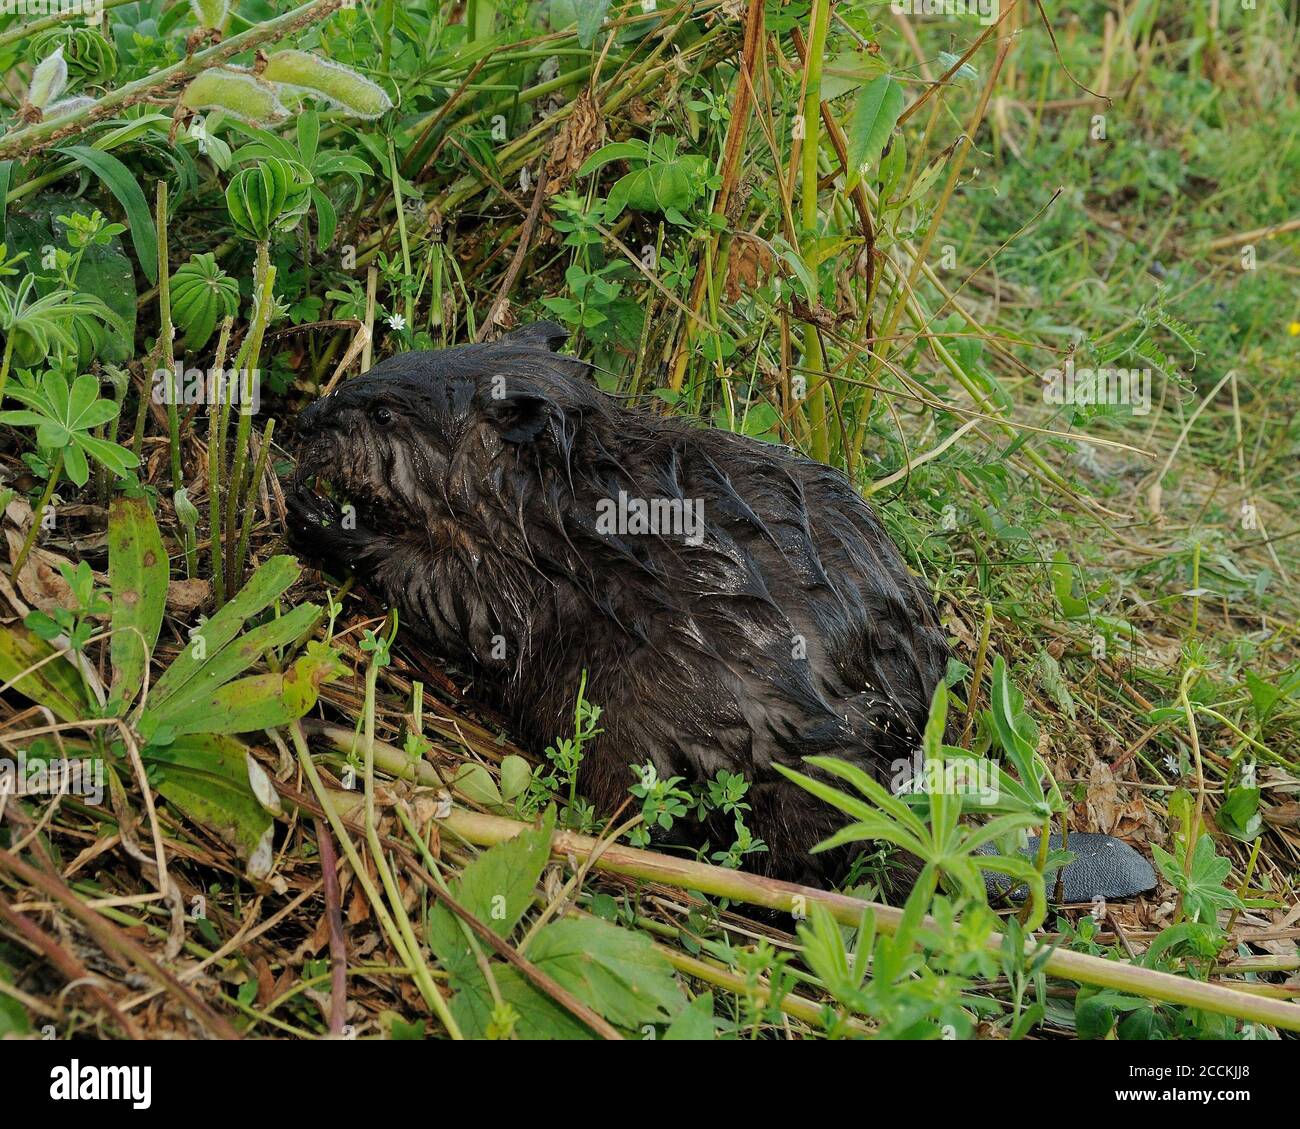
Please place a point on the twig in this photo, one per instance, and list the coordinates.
(329, 861)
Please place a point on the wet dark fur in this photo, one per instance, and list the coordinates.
(477, 520)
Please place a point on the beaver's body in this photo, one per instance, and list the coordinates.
(782, 624)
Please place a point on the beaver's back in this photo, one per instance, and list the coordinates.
(792, 627)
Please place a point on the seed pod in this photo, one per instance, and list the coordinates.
(269, 197)
(67, 106)
(91, 59)
(341, 85)
(210, 13)
(240, 94)
(48, 80)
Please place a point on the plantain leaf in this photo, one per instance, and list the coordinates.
(263, 587)
(591, 14)
(261, 701)
(236, 658)
(137, 576)
(55, 684)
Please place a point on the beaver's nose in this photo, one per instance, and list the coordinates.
(312, 416)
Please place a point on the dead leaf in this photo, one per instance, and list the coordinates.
(1103, 797)
(184, 597)
(582, 133)
(749, 264)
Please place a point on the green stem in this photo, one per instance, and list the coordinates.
(165, 335)
(250, 500)
(753, 889)
(4, 364)
(401, 231)
(814, 361)
(380, 860)
(245, 362)
(37, 515)
(215, 458)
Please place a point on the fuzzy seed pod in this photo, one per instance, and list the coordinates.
(341, 85)
(240, 93)
(48, 80)
(210, 13)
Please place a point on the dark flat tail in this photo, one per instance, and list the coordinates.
(1103, 867)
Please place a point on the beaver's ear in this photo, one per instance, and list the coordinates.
(540, 334)
(518, 412)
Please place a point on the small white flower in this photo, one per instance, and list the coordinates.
(1171, 763)
(396, 321)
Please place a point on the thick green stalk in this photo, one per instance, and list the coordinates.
(686, 874)
(245, 363)
(813, 361)
(165, 336)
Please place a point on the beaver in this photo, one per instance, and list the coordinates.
(732, 604)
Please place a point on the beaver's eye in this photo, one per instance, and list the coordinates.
(383, 416)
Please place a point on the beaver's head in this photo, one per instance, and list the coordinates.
(425, 442)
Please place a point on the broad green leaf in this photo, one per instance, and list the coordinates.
(540, 1017)
(695, 1023)
(591, 14)
(137, 576)
(55, 684)
(615, 151)
(475, 782)
(261, 701)
(874, 116)
(215, 782)
(1063, 588)
(516, 774)
(618, 972)
(105, 273)
(497, 887)
(236, 658)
